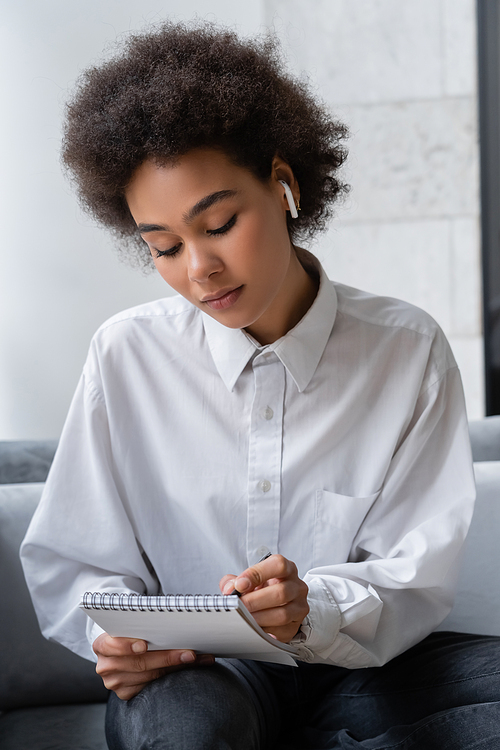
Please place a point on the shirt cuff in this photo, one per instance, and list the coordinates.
(322, 624)
(93, 632)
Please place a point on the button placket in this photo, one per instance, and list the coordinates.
(265, 452)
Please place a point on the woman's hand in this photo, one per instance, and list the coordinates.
(275, 595)
(126, 665)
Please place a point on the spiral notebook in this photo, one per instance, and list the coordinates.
(206, 623)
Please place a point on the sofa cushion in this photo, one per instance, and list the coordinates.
(34, 672)
(25, 460)
(55, 727)
(477, 604)
(485, 439)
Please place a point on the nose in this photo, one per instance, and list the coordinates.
(202, 262)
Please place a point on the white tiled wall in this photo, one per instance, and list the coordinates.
(402, 75)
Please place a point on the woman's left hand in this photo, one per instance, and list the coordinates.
(275, 595)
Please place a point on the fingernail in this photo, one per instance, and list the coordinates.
(228, 588)
(187, 656)
(139, 647)
(242, 584)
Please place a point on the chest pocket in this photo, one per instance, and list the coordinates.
(337, 521)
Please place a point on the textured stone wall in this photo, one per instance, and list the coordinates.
(403, 77)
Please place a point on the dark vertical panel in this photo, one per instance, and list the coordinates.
(488, 14)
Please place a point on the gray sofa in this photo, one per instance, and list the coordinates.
(52, 699)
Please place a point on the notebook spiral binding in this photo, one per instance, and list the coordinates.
(165, 603)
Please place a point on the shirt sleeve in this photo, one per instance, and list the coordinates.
(82, 493)
(399, 582)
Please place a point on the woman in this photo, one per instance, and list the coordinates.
(264, 407)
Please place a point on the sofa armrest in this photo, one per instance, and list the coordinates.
(485, 439)
(477, 604)
(34, 672)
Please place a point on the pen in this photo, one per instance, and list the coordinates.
(238, 593)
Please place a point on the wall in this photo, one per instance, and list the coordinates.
(403, 77)
(59, 274)
(401, 74)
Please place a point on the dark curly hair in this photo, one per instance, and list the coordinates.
(177, 87)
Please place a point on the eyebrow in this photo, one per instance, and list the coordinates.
(194, 211)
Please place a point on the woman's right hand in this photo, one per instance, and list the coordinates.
(126, 665)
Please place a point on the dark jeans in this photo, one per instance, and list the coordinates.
(443, 694)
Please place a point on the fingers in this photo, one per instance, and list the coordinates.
(226, 584)
(134, 669)
(275, 595)
(282, 622)
(283, 604)
(137, 652)
(126, 665)
(275, 566)
(270, 619)
(106, 645)
(280, 594)
(128, 684)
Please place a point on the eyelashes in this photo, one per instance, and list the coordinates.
(167, 253)
(173, 251)
(225, 228)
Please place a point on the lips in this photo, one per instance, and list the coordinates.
(221, 300)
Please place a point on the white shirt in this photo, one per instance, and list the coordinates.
(188, 448)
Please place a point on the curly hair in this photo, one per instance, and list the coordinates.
(176, 87)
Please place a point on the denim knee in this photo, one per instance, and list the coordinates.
(193, 708)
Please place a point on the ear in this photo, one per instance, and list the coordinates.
(281, 170)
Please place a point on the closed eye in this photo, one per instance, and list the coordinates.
(170, 253)
(173, 251)
(225, 228)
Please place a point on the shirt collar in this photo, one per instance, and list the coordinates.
(299, 350)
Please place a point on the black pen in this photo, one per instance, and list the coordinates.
(238, 593)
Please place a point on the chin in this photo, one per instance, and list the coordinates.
(231, 319)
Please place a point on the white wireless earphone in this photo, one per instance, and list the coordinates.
(290, 200)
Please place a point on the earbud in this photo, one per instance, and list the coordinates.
(289, 197)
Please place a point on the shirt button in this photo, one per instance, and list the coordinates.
(265, 485)
(267, 413)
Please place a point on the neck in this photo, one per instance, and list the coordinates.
(296, 297)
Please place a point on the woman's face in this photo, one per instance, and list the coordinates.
(218, 236)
